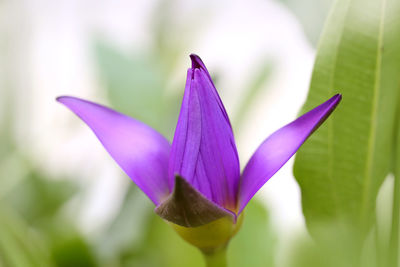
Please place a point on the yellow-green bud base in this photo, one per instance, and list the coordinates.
(211, 236)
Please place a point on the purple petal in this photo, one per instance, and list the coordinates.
(277, 149)
(203, 150)
(140, 151)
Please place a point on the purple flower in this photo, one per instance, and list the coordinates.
(197, 179)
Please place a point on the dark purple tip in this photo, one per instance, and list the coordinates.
(336, 100)
(197, 63)
(62, 99)
(338, 97)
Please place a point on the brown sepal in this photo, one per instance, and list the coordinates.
(188, 207)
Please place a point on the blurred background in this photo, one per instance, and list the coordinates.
(63, 200)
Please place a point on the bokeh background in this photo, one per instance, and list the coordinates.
(62, 198)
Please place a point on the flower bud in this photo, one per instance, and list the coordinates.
(198, 220)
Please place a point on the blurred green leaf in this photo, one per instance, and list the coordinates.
(128, 228)
(38, 198)
(252, 92)
(69, 249)
(336, 248)
(255, 243)
(136, 86)
(161, 246)
(394, 235)
(342, 166)
(19, 245)
(170, 37)
(311, 14)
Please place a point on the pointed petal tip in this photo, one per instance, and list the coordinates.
(64, 99)
(60, 98)
(337, 98)
(277, 149)
(193, 55)
(197, 63)
(333, 102)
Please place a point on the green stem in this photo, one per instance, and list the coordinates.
(216, 258)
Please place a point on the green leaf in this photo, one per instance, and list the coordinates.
(342, 166)
(394, 235)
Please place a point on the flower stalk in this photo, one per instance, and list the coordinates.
(217, 258)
